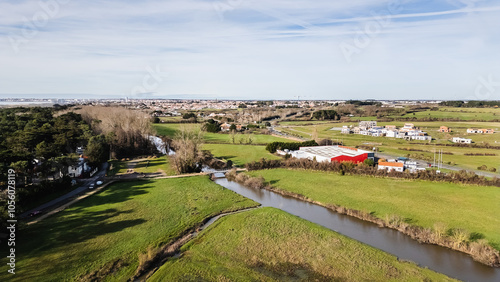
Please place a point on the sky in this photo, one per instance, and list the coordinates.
(251, 49)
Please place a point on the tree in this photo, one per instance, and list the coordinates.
(212, 126)
(232, 127)
(242, 106)
(97, 150)
(188, 156)
(188, 115)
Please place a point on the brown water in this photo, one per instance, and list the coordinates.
(452, 263)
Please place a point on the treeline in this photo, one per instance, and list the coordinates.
(35, 141)
(292, 146)
(326, 115)
(470, 104)
(126, 131)
(462, 176)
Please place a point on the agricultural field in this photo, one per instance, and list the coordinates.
(465, 114)
(239, 154)
(267, 244)
(107, 231)
(422, 203)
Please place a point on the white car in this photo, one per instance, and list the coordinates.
(91, 186)
(98, 182)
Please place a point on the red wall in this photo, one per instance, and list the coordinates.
(356, 159)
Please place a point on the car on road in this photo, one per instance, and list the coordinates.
(98, 182)
(35, 213)
(91, 186)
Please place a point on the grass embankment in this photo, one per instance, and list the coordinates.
(421, 203)
(143, 165)
(268, 245)
(108, 231)
(239, 154)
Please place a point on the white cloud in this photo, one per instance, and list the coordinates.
(258, 49)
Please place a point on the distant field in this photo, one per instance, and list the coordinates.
(115, 226)
(465, 114)
(148, 165)
(270, 245)
(239, 154)
(423, 203)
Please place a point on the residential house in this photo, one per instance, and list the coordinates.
(367, 124)
(225, 126)
(391, 166)
(444, 129)
(408, 127)
(346, 130)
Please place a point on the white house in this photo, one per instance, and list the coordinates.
(461, 140)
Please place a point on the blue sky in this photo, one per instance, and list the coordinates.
(243, 49)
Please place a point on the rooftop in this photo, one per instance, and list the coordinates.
(333, 151)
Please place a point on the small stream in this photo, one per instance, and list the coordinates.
(452, 263)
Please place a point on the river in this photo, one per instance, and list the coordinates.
(452, 263)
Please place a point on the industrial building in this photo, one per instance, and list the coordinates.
(333, 154)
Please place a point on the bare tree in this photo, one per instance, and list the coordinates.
(187, 144)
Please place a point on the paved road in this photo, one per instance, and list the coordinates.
(422, 163)
(99, 175)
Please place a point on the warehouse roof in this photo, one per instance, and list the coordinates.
(333, 151)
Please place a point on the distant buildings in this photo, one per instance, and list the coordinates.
(370, 128)
(480, 131)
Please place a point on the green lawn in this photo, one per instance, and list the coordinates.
(148, 165)
(239, 154)
(115, 226)
(422, 203)
(271, 245)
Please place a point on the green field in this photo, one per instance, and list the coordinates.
(170, 129)
(146, 165)
(239, 154)
(270, 245)
(258, 139)
(115, 226)
(422, 203)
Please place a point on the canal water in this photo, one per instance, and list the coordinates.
(439, 259)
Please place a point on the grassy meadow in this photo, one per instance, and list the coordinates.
(267, 244)
(422, 203)
(113, 227)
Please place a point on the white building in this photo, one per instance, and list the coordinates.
(391, 166)
(346, 130)
(367, 123)
(461, 140)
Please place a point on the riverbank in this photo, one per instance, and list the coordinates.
(103, 236)
(457, 217)
(267, 244)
